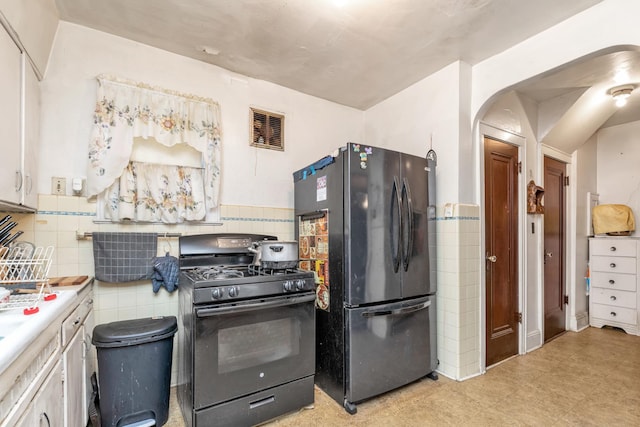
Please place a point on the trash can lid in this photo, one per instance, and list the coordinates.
(132, 332)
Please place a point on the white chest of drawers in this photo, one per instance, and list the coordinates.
(614, 292)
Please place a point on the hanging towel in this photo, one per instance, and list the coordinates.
(165, 273)
(124, 257)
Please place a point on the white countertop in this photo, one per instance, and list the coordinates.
(19, 330)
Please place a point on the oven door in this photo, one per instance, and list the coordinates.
(248, 346)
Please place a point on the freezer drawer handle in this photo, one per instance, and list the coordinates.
(404, 310)
(262, 402)
(234, 308)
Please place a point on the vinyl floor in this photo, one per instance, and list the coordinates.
(588, 378)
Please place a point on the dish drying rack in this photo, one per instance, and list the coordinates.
(20, 265)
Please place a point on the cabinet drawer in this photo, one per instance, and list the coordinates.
(619, 281)
(614, 298)
(613, 247)
(72, 323)
(613, 264)
(615, 314)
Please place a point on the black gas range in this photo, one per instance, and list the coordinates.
(247, 351)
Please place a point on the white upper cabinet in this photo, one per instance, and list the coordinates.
(30, 135)
(10, 111)
(35, 23)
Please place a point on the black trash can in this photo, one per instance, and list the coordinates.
(134, 370)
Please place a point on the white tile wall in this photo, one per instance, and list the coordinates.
(459, 326)
(60, 218)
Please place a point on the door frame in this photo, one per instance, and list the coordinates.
(569, 260)
(489, 131)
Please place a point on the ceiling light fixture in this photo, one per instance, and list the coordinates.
(621, 93)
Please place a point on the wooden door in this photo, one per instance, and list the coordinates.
(501, 249)
(554, 231)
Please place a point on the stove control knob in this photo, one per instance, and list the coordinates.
(233, 291)
(217, 293)
(288, 285)
(300, 284)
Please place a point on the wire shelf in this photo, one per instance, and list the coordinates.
(28, 267)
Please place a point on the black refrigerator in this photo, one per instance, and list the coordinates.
(365, 224)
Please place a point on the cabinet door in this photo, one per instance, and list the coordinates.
(45, 409)
(90, 357)
(31, 129)
(74, 409)
(36, 23)
(10, 147)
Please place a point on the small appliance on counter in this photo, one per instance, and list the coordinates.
(613, 220)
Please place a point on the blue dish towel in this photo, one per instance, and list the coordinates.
(165, 273)
(124, 257)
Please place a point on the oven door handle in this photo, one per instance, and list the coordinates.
(234, 309)
(400, 311)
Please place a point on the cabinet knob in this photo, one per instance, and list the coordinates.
(613, 314)
(612, 298)
(611, 281)
(612, 248)
(612, 265)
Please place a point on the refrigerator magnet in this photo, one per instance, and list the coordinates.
(321, 188)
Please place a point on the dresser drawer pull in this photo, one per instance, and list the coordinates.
(613, 314)
(612, 298)
(612, 265)
(612, 248)
(611, 281)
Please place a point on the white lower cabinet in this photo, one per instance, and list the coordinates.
(75, 363)
(45, 409)
(615, 272)
(50, 383)
(74, 409)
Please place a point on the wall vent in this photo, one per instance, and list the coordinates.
(267, 129)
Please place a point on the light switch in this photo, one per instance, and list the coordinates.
(58, 186)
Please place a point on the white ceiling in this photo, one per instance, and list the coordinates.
(353, 52)
(360, 52)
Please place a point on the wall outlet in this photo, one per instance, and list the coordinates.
(58, 186)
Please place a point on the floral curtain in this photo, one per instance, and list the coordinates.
(156, 193)
(125, 110)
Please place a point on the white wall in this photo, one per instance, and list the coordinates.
(251, 176)
(587, 164)
(618, 174)
(579, 36)
(422, 116)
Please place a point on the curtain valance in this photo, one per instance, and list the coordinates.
(126, 110)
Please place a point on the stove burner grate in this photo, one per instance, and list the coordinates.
(216, 273)
(256, 270)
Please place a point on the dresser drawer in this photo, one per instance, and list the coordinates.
(613, 247)
(619, 281)
(614, 314)
(614, 298)
(613, 264)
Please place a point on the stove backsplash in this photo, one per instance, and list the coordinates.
(60, 218)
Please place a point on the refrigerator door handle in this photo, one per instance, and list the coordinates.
(395, 226)
(399, 311)
(407, 234)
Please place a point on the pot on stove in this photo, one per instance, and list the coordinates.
(275, 254)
